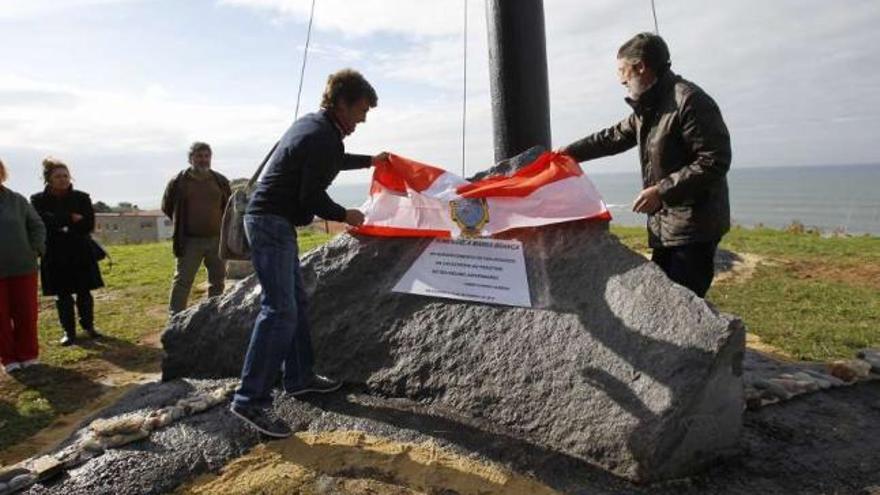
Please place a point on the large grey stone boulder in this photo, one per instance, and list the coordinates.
(615, 364)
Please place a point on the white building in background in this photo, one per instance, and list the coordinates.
(133, 227)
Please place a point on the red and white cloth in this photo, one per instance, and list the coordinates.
(412, 199)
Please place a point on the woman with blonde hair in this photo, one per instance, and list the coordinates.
(22, 240)
(70, 266)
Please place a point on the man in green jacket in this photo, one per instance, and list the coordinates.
(194, 200)
(684, 150)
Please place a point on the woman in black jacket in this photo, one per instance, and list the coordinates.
(69, 266)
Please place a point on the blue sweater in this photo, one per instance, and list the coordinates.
(308, 158)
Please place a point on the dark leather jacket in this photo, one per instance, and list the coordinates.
(684, 149)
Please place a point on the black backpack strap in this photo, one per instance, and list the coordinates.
(260, 168)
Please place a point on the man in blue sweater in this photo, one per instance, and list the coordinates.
(292, 191)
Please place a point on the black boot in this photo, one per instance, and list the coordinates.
(85, 306)
(67, 318)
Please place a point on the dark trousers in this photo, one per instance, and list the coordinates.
(85, 306)
(691, 265)
(281, 339)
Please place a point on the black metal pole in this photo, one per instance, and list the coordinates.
(518, 76)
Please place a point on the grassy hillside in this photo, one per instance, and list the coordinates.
(814, 297)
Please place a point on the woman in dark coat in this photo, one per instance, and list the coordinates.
(69, 266)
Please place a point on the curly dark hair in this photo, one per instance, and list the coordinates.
(650, 49)
(347, 85)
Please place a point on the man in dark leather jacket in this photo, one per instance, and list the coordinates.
(684, 150)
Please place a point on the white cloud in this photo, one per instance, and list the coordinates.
(139, 138)
(365, 17)
(793, 79)
(24, 9)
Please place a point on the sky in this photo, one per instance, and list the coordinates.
(118, 89)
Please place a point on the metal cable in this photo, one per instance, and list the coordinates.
(654, 11)
(464, 92)
(302, 71)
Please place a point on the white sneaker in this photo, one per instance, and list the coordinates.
(30, 362)
(9, 368)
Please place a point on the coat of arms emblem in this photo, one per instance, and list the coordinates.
(470, 214)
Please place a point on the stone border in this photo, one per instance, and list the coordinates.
(106, 434)
(761, 391)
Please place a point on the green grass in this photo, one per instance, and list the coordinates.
(813, 297)
(132, 306)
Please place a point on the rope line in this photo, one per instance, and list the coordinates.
(654, 11)
(302, 71)
(464, 91)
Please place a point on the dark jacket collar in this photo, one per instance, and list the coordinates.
(649, 100)
(328, 116)
(48, 191)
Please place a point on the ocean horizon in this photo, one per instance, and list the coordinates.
(830, 198)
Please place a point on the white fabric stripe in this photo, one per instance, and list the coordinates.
(415, 211)
(443, 187)
(561, 201)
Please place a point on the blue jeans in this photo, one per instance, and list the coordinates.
(281, 339)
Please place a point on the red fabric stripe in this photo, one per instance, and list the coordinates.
(548, 168)
(399, 172)
(605, 216)
(382, 231)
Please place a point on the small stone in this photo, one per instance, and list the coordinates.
(808, 385)
(793, 387)
(849, 370)
(70, 458)
(21, 482)
(820, 380)
(773, 389)
(7, 474)
(119, 440)
(833, 380)
(175, 412)
(115, 426)
(872, 357)
(92, 444)
(46, 467)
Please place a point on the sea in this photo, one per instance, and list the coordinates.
(831, 199)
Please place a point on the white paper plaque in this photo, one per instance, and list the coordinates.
(485, 270)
